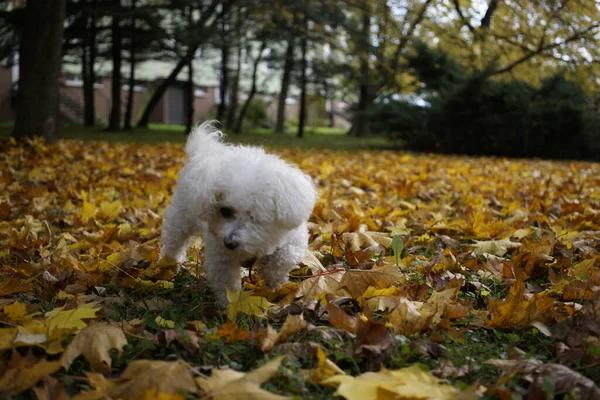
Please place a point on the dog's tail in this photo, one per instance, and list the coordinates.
(203, 139)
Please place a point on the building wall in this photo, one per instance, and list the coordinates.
(6, 112)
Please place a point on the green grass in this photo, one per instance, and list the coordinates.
(315, 137)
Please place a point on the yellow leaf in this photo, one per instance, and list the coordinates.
(7, 336)
(94, 343)
(404, 384)
(110, 211)
(70, 320)
(21, 373)
(164, 376)
(292, 324)
(101, 385)
(232, 385)
(16, 311)
(325, 367)
(88, 211)
(164, 323)
(244, 302)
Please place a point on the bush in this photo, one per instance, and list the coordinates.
(256, 114)
(476, 115)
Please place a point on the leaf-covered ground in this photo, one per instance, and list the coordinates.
(428, 277)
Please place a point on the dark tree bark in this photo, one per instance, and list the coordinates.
(205, 31)
(224, 78)
(360, 125)
(40, 58)
(303, 61)
(285, 84)
(88, 64)
(240, 119)
(114, 121)
(235, 84)
(164, 85)
(132, 65)
(189, 90)
(487, 18)
(329, 99)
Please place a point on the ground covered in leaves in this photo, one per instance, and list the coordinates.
(428, 277)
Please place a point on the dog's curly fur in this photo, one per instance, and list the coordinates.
(245, 203)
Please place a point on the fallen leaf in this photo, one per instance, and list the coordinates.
(243, 302)
(404, 384)
(21, 373)
(231, 385)
(94, 343)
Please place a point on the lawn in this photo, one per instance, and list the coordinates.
(428, 277)
(315, 137)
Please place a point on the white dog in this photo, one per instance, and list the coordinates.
(245, 203)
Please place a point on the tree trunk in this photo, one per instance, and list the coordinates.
(206, 32)
(131, 92)
(164, 85)
(190, 98)
(285, 84)
(114, 122)
(240, 120)
(235, 85)
(88, 64)
(302, 116)
(40, 59)
(360, 125)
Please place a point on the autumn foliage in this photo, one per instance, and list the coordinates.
(406, 251)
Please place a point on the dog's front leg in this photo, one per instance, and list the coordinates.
(222, 272)
(286, 258)
(178, 232)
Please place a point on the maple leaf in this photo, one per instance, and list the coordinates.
(362, 239)
(314, 286)
(101, 387)
(403, 384)
(356, 282)
(71, 319)
(16, 311)
(243, 301)
(21, 373)
(325, 368)
(495, 247)
(94, 342)
(7, 335)
(563, 378)
(142, 376)
(231, 333)
(270, 337)
(231, 385)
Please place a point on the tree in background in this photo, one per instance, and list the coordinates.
(197, 34)
(530, 40)
(39, 70)
(379, 32)
(114, 119)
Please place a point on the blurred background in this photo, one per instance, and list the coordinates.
(485, 77)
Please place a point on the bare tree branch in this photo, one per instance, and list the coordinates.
(487, 18)
(541, 48)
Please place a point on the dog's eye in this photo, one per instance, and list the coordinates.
(226, 212)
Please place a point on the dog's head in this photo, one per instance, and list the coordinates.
(250, 201)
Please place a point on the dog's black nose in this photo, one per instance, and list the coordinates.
(230, 244)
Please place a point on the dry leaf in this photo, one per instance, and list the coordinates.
(94, 343)
(232, 385)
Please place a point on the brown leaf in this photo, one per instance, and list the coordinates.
(375, 343)
(21, 373)
(94, 343)
(163, 376)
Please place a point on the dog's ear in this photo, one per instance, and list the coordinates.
(199, 181)
(294, 198)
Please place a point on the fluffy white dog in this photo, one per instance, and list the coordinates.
(245, 203)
